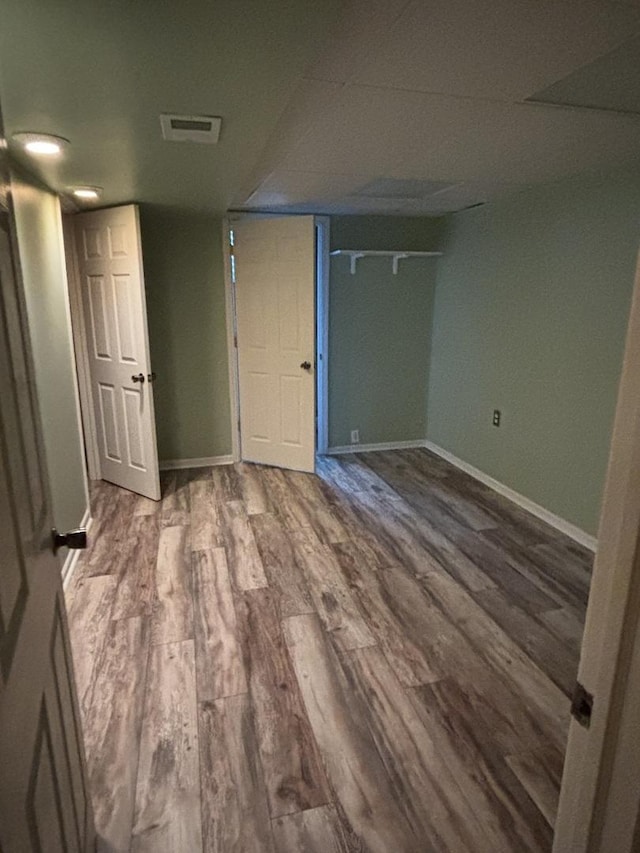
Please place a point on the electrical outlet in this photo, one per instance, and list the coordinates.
(355, 436)
(496, 417)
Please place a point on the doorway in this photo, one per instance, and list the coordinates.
(277, 282)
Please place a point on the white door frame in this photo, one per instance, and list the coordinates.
(79, 339)
(593, 816)
(322, 224)
(323, 260)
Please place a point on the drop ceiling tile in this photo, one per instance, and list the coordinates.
(612, 82)
(505, 49)
(414, 135)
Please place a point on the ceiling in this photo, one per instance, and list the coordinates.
(415, 107)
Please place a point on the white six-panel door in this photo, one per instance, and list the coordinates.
(115, 315)
(275, 297)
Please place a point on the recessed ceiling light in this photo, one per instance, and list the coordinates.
(87, 193)
(41, 144)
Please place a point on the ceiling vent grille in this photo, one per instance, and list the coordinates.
(176, 128)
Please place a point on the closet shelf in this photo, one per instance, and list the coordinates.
(354, 256)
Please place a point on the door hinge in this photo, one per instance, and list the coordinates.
(235, 341)
(582, 705)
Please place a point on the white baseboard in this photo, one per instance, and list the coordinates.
(199, 462)
(365, 448)
(571, 530)
(69, 565)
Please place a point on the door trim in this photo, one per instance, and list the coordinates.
(323, 260)
(79, 340)
(321, 342)
(232, 350)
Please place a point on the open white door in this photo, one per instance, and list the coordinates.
(275, 299)
(115, 315)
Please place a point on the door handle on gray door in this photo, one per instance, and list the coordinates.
(306, 365)
(73, 539)
(138, 378)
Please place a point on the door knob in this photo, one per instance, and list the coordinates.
(306, 365)
(75, 540)
(138, 378)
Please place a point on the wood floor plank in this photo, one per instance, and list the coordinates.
(89, 616)
(204, 516)
(503, 655)
(136, 590)
(285, 503)
(252, 488)
(418, 772)
(115, 517)
(533, 637)
(172, 618)
(286, 581)
(245, 565)
(167, 816)
(384, 615)
(175, 499)
(559, 561)
(146, 506)
(540, 774)
(313, 831)
(568, 627)
(219, 663)
(512, 574)
(362, 788)
(226, 483)
(320, 513)
(368, 552)
(332, 597)
(510, 817)
(449, 653)
(293, 772)
(235, 814)
(112, 727)
(409, 481)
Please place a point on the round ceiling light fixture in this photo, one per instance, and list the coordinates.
(41, 144)
(87, 193)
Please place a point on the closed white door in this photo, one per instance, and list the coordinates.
(44, 801)
(115, 314)
(275, 298)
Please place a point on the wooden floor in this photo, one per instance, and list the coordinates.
(377, 658)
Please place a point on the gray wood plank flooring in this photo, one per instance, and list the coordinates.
(374, 658)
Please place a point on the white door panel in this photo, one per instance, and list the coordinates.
(275, 299)
(112, 287)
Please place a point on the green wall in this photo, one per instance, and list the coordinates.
(41, 249)
(184, 278)
(379, 330)
(531, 309)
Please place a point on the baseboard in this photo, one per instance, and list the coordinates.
(69, 565)
(571, 530)
(200, 462)
(366, 448)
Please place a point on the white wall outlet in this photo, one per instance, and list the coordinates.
(355, 436)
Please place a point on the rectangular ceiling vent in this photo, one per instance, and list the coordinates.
(190, 128)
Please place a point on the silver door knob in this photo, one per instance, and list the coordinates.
(139, 377)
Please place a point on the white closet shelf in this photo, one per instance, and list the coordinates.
(354, 256)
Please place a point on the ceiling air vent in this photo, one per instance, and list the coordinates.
(190, 128)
